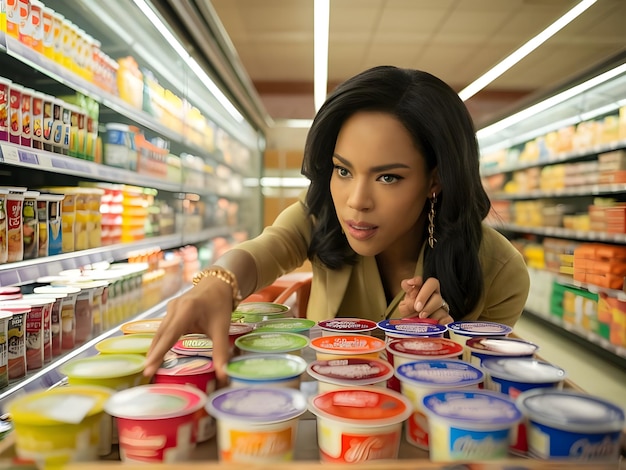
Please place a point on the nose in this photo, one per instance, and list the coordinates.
(360, 197)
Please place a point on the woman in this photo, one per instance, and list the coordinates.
(391, 222)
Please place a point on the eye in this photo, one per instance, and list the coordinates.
(389, 179)
(341, 171)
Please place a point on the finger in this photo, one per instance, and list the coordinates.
(221, 350)
(408, 285)
(166, 336)
(425, 293)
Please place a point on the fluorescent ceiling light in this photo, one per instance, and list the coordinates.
(163, 29)
(485, 79)
(321, 20)
(550, 102)
(293, 123)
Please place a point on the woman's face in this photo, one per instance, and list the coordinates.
(379, 184)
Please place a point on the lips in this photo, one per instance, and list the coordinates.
(361, 230)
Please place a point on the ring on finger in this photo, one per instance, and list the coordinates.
(445, 306)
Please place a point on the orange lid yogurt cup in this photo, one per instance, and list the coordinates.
(341, 346)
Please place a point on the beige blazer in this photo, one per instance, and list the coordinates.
(357, 290)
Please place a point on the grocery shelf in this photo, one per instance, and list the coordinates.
(559, 158)
(572, 191)
(22, 272)
(601, 346)
(49, 376)
(568, 281)
(560, 232)
(53, 162)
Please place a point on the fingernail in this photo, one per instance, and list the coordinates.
(423, 314)
(419, 306)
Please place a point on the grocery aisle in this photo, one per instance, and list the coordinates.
(594, 374)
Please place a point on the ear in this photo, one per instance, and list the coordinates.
(435, 184)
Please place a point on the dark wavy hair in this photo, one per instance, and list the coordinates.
(443, 131)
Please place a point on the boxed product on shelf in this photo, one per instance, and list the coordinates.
(600, 264)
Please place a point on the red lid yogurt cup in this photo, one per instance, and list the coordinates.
(156, 422)
(481, 348)
(469, 425)
(358, 425)
(349, 372)
(401, 351)
(342, 346)
(266, 416)
(572, 426)
(346, 326)
(411, 327)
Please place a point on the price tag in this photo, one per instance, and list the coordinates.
(9, 154)
(28, 157)
(45, 161)
(58, 163)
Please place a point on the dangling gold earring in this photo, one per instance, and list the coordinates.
(431, 222)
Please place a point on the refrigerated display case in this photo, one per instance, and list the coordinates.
(149, 123)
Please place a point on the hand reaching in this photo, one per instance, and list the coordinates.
(424, 300)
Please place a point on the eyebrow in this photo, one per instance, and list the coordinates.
(376, 169)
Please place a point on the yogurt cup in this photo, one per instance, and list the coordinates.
(194, 345)
(513, 376)
(347, 326)
(278, 370)
(256, 424)
(115, 371)
(136, 343)
(198, 372)
(401, 351)
(359, 425)
(410, 327)
(342, 346)
(67, 315)
(255, 312)
(461, 331)
(275, 343)
(349, 372)
(156, 422)
(568, 425)
(61, 425)
(419, 378)
(5, 318)
(481, 348)
(237, 330)
(286, 325)
(148, 326)
(469, 425)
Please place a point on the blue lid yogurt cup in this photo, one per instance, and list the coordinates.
(571, 425)
(470, 425)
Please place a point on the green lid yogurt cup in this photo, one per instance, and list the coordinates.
(277, 343)
(280, 370)
(287, 325)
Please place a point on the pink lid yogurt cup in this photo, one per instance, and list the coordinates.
(358, 425)
(256, 424)
(469, 425)
(401, 351)
(419, 378)
(349, 372)
(481, 348)
(194, 345)
(347, 326)
(197, 371)
(156, 422)
(342, 346)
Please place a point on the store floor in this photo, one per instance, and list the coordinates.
(591, 372)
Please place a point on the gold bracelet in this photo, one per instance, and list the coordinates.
(223, 275)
